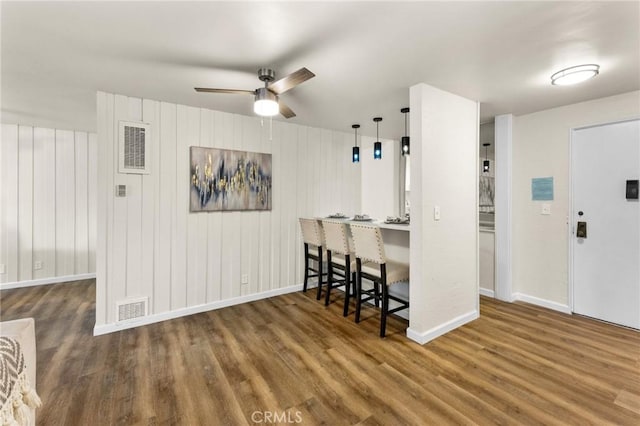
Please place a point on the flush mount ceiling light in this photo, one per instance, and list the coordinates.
(355, 151)
(574, 75)
(405, 138)
(377, 147)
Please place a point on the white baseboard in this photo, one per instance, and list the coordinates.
(487, 292)
(45, 281)
(427, 336)
(542, 302)
(218, 304)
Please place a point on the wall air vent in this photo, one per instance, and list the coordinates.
(134, 147)
(131, 309)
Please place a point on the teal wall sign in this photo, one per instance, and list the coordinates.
(542, 189)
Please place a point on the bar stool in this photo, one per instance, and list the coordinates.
(313, 250)
(340, 261)
(372, 264)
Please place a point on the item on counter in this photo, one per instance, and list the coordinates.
(337, 216)
(362, 217)
(396, 220)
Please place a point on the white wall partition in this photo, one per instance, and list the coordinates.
(444, 212)
(48, 197)
(150, 245)
(541, 149)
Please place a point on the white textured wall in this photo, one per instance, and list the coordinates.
(151, 245)
(444, 172)
(48, 203)
(541, 149)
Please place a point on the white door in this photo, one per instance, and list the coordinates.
(606, 264)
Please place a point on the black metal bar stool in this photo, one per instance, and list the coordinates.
(372, 264)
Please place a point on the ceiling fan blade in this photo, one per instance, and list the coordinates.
(289, 82)
(231, 91)
(285, 111)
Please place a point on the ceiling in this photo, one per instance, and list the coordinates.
(55, 56)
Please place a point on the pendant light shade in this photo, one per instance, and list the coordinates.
(405, 138)
(485, 163)
(355, 151)
(377, 147)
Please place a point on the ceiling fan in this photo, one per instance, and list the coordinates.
(267, 102)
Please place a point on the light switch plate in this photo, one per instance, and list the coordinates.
(436, 213)
(546, 208)
(37, 264)
(245, 279)
(2, 269)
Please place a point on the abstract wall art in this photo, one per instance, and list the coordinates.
(226, 180)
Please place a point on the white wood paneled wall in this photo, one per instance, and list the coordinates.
(149, 244)
(48, 199)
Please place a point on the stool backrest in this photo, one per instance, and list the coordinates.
(335, 236)
(368, 243)
(311, 232)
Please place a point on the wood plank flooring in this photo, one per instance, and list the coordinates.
(289, 359)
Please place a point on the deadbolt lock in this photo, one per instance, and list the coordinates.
(581, 230)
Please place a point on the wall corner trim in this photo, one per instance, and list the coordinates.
(46, 281)
(191, 310)
(549, 304)
(486, 292)
(427, 336)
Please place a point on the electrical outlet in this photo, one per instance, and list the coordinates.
(37, 265)
(546, 209)
(2, 270)
(245, 279)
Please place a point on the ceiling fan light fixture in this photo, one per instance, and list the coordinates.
(266, 103)
(574, 75)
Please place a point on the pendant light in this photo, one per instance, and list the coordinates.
(355, 151)
(405, 138)
(377, 147)
(485, 163)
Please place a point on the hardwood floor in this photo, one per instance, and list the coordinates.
(289, 359)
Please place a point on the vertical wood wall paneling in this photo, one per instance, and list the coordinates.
(134, 214)
(250, 219)
(44, 203)
(211, 123)
(166, 220)
(302, 210)
(25, 203)
(149, 210)
(120, 213)
(288, 166)
(92, 177)
(276, 184)
(10, 203)
(82, 201)
(196, 225)
(264, 267)
(65, 203)
(103, 216)
(179, 237)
